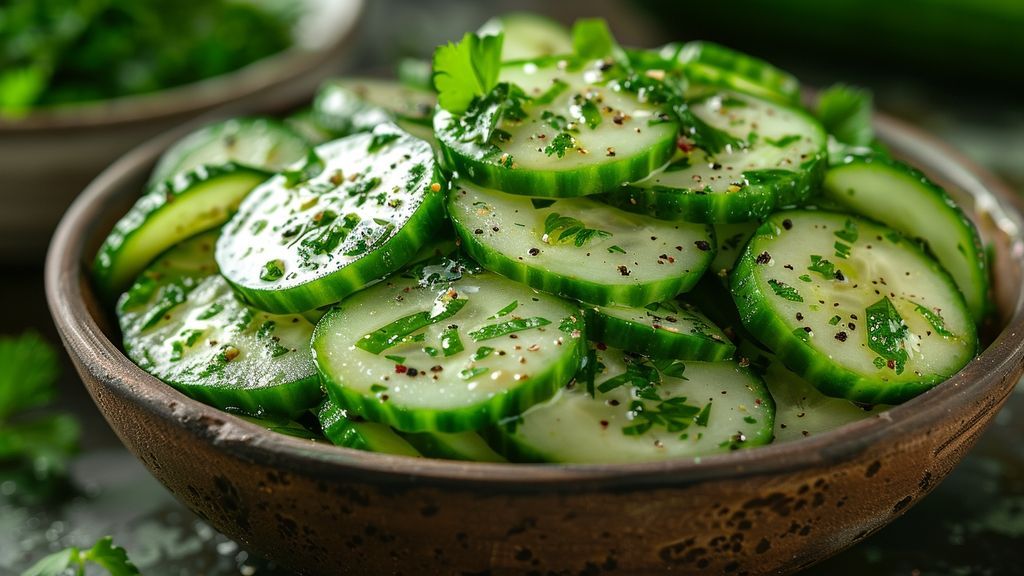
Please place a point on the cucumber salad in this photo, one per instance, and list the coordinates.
(541, 246)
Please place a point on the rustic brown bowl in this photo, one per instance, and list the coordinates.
(47, 157)
(321, 509)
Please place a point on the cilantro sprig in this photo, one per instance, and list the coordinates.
(30, 370)
(466, 70)
(104, 553)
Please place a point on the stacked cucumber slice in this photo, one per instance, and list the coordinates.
(564, 252)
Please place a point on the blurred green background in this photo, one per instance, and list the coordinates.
(954, 68)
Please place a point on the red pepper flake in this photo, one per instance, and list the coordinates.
(401, 369)
(891, 364)
(684, 145)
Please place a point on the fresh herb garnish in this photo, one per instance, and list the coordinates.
(30, 370)
(887, 333)
(470, 373)
(104, 553)
(507, 327)
(311, 168)
(571, 229)
(784, 290)
(467, 70)
(560, 143)
(592, 40)
(822, 266)
(505, 311)
(845, 112)
(848, 233)
(935, 319)
(399, 331)
(451, 344)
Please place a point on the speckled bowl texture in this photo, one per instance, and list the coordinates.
(321, 509)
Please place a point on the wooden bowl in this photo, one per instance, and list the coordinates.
(49, 156)
(322, 509)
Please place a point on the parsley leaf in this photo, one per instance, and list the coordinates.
(710, 139)
(592, 40)
(30, 369)
(466, 70)
(559, 144)
(886, 334)
(845, 112)
(112, 558)
(784, 290)
(571, 229)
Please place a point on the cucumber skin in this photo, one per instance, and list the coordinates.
(288, 400)
(713, 64)
(576, 289)
(804, 360)
(652, 342)
(401, 248)
(767, 191)
(980, 304)
(538, 388)
(111, 279)
(551, 183)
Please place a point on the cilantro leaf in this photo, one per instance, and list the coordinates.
(104, 553)
(592, 40)
(704, 136)
(466, 70)
(845, 112)
(887, 334)
(30, 369)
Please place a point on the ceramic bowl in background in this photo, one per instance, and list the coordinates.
(49, 156)
(323, 509)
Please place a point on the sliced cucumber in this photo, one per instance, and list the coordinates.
(580, 248)
(802, 411)
(183, 324)
(631, 411)
(342, 430)
(351, 105)
(852, 307)
(732, 239)
(528, 36)
(452, 356)
(453, 446)
(304, 123)
(283, 426)
(571, 135)
(360, 209)
(169, 213)
(777, 159)
(667, 329)
(259, 143)
(902, 198)
(706, 64)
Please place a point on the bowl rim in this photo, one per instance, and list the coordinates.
(267, 73)
(990, 372)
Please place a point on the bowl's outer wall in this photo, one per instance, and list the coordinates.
(323, 509)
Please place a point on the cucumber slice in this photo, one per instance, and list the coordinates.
(662, 330)
(169, 213)
(452, 356)
(528, 36)
(802, 411)
(707, 64)
(283, 426)
(902, 198)
(453, 446)
(361, 435)
(304, 123)
(259, 143)
(779, 161)
(351, 105)
(640, 413)
(732, 239)
(590, 136)
(182, 323)
(580, 248)
(364, 206)
(852, 307)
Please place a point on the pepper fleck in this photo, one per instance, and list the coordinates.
(703, 245)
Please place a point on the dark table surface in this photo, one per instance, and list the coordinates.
(972, 524)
